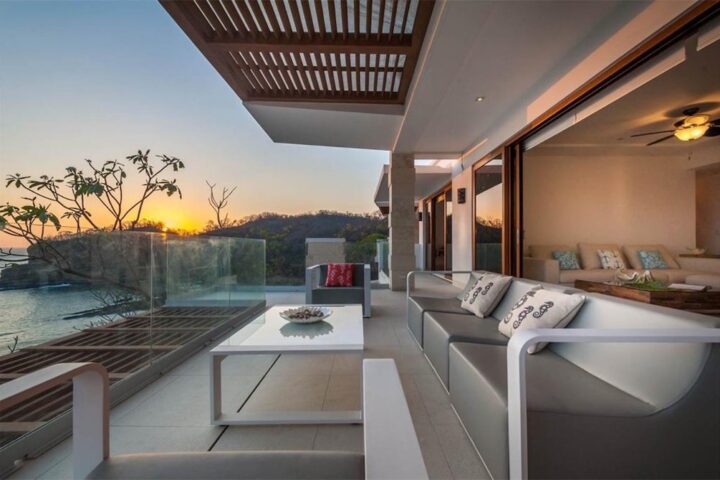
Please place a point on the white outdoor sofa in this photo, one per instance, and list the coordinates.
(627, 390)
(391, 451)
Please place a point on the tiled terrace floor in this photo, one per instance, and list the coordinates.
(172, 414)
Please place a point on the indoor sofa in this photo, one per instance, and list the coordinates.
(594, 410)
(539, 264)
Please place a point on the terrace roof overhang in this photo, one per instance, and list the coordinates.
(338, 51)
(428, 180)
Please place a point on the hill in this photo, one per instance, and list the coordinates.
(285, 238)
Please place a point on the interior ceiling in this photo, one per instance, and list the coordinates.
(652, 107)
(506, 51)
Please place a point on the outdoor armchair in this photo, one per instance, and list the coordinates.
(318, 294)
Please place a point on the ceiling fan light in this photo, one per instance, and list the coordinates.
(692, 132)
(696, 120)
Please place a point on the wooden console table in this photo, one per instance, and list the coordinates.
(698, 302)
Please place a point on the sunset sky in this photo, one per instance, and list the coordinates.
(99, 80)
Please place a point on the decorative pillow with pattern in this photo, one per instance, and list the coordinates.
(568, 259)
(472, 279)
(541, 308)
(652, 259)
(611, 259)
(487, 292)
(339, 275)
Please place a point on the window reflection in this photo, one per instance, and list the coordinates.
(488, 216)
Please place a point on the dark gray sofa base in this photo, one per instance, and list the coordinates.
(441, 329)
(582, 427)
(417, 307)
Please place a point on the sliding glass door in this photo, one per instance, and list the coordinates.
(439, 231)
(488, 214)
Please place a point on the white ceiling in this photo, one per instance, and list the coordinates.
(506, 51)
(652, 107)
(428, 180)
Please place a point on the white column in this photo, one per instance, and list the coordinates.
(402, 221)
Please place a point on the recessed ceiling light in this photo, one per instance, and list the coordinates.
(479, 99)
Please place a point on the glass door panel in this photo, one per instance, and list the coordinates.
(488, 216)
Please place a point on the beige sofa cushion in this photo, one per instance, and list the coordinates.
(545, 251)
(589, 257)
(598, 275)
(631, 252)
(707, 279)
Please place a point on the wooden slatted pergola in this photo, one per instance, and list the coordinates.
(361, 51)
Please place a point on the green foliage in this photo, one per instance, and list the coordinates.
(285, 238)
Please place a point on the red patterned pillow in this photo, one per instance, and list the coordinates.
(339, 275)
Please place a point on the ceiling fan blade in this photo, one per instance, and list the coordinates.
(715, 122)
(713, 131)
(651, 133)
(660, 140)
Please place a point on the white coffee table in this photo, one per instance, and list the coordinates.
(341, 332)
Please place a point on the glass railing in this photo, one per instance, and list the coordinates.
(138, 303)
(383, 258)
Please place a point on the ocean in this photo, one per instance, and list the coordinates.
(35, 315)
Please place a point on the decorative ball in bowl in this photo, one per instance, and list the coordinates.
(307, 314)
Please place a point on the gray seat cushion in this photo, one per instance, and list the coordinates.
(234, 465)
(337, 295)
(478, 390)
(417, 306)
(440, 329)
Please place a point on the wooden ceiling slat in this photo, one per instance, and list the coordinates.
(368, 18)
(308, 49)
(332, 14)
(284, 17)
(393, 15)
(377, 71)
(356, 18)
(232, 12)
(292, 72)
(381, 19)
(265, 29)
(296, 18)
(279, 69)
(367, 73)
(422, 19)
(247, 15)
(324, 74)
(307, 74)
(308, 17)
(320, 16)
(220, 15)
(406, 11)
(270, 13)
(344, 10)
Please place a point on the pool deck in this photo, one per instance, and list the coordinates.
(172, 414)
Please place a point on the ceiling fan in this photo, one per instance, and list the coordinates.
(692, 127)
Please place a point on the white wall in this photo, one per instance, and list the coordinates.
(462, 225)
(613, 199)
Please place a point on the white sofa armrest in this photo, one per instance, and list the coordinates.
(700, 264)
(411, 276)
(312, 280)
(541, 269)
(392, 449)
(367, 289)
(517, 355)
(90, 409)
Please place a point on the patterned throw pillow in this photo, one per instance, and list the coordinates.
(541, 308)
(339, 275)
(568, 259)
(652, 259)
(611, 259)
(472, 279)
(487, 292)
